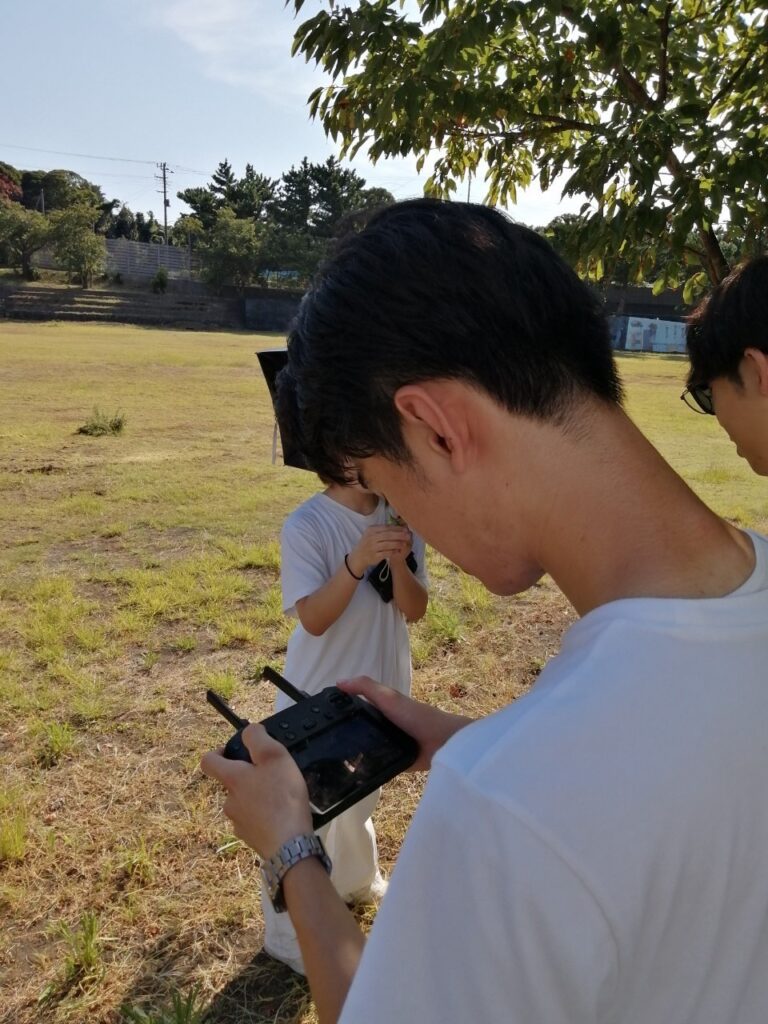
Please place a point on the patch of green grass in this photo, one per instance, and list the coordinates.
(715, 475)
(89, 637)
(475, 599)
(439, 629)
(83, 959)
(100, 423)
(235, 630)
(139, 862)
(224, 682)
(133, 625)
(56, 616)
(251, 556)
(112, 530)
(149, 660)
(184, 1009)
(55, 740)
(269, 610)
(185, 644)
(197, 589)
(13, 824)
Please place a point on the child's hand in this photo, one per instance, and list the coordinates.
(379, 542)
(405, 549)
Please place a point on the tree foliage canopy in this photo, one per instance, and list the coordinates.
(247, 197)
(294, 218)
(656, 110)
(81, 251)
(231, 251)
(22, 233)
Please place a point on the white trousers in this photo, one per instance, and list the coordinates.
(351, 844)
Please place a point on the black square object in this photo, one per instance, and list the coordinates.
(272, 362)
(380, 577)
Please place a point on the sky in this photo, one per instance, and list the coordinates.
(111, 88)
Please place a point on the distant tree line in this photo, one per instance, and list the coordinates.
(256, 229)
(246, 229)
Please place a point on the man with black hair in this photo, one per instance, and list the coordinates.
(728, 348)
(596, 851)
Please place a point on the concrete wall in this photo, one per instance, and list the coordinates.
(270, 309)
(137, 261)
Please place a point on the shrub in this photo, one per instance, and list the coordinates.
(160, 281)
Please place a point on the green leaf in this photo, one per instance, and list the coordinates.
(566, 92)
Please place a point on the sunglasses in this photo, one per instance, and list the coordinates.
(699, 398)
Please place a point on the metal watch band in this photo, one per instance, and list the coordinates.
(289, 855)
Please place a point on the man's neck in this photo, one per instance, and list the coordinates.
(610, 519)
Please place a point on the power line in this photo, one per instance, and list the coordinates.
(82, 156)
(113, 159)
(124, 177)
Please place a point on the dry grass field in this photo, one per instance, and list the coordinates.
(140, 568)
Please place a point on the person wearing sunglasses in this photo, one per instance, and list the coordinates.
(728, 348)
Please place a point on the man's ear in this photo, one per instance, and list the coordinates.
(435, 414)
(757, 360)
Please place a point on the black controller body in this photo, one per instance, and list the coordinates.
(344, 747)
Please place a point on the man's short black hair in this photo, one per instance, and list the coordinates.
(441, 290)
(734, 317)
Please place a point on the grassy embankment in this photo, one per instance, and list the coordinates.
(138, 569)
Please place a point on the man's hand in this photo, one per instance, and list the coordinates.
(429, 726)
(267, 801)
(378, 542)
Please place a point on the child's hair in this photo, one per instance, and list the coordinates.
(732, 318)
(430, 290)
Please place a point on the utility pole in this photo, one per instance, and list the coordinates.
(164, 171)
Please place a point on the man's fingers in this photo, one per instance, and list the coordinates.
(379, 695)
(216, 766)
(260, 744)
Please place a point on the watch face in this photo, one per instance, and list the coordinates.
(271, 880)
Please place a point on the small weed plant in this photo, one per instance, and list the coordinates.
(13, 836)
(183, 1010)
(139, 862)
(83, 964)
(55, 741)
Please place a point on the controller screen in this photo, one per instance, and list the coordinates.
(344, 759)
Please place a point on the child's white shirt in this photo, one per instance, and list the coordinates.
(371, 636)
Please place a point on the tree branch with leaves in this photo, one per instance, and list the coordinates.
(655, 112)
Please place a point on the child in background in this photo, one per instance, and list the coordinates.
(346, 628)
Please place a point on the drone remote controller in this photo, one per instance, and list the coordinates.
(344, 747)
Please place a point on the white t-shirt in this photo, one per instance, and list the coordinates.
(597, 852)
(371, 636)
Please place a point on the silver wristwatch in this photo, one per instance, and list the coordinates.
(274, 870)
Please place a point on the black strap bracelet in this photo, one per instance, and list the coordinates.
(353, 575)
